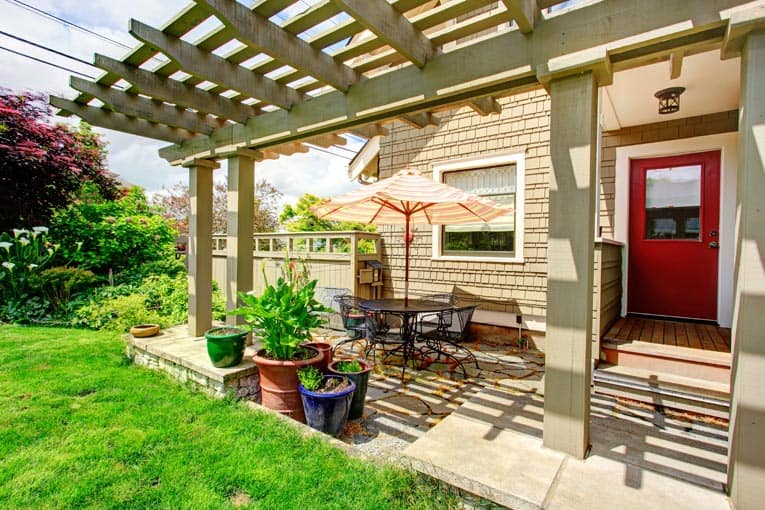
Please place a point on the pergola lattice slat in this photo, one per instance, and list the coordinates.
(177, 92)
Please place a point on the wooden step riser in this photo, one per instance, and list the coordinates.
(669, 402)
(707, 371)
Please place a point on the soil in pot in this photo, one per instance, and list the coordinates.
(326, 350)
(360, 379)
(326, 409)
(225, 346)
(279, 381)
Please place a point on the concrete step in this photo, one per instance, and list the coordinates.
(699, 396)
(669, 359)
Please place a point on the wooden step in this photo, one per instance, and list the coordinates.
(670, 359)
(698, 396)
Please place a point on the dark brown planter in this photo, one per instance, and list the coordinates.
(279, 383)
(326, 350)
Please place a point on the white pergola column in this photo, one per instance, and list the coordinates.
(200, 245)
(570, 248)
(746, 465)
(241, 188)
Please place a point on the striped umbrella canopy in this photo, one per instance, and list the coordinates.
(409, 198)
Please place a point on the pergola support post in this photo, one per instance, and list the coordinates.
(746, 465)
(570, 259)
(200, 245)
(241, 187)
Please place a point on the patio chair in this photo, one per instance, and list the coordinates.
(441, 320)
(353, 317)
(445, 337)
(328, 296)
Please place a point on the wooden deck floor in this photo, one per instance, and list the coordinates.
(668, 332)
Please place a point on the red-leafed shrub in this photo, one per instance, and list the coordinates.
(42, 166)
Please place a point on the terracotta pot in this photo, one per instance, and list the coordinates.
(144, 330)
(361, 380)
(326, 350)
(279, 383)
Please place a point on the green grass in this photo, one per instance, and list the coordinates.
(80, 427)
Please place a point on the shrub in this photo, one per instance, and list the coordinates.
(22, 255)
(113, 235)
(59, 283)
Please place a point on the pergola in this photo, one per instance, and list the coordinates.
(252, 83)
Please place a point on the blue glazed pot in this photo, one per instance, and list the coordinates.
(327, 412)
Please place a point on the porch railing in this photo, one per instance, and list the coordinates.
(607, 288)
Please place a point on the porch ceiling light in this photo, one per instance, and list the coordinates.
(669, 99)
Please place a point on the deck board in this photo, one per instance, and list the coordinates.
(670, 332)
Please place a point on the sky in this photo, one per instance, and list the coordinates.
(134, 158)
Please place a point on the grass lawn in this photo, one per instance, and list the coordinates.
(80, 427)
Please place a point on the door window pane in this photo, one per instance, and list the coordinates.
(495, 238)
(672, 202)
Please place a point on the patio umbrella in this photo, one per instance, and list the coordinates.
(409, 198)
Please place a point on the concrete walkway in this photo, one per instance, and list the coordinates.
(492, 446)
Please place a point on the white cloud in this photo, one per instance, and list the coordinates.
(134, 158)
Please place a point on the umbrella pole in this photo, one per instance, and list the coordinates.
(407, 240)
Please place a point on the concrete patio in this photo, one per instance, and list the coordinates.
(483, 434)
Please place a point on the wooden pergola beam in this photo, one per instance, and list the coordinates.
(176, 92)
(483, 68)
(259, 33)
(210, 67)
(485, 105)
(524, 12)
(118, 122)
(392, 27)
(133, 105)
(420, 120)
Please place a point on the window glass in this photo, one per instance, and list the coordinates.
(497, 238)
(672, 202)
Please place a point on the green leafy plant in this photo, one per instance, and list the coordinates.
(347, 367)
(286, 311)
(22, 255)
(59, 283)
(310, 378)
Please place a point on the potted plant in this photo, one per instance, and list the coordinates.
(326, 351)
(358, 372)
(283, 316)
(326, 399)
(225, 345)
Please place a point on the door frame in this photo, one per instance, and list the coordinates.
(727, 144)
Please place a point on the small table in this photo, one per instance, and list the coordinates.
(407, 311)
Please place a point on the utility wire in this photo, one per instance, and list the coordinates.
(30, 57)
(47, 14)
(329, 152)
(46, 48)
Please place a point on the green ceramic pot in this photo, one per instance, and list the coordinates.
(360, 379)
(225, 346)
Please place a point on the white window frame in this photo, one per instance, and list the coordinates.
(517, 158)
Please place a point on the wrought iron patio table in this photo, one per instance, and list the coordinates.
(407, 311)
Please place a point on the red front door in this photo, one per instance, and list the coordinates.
(674, 236)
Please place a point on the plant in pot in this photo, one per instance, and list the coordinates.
(358, 372)
(225, 345)
(283, 316)
(326, 399)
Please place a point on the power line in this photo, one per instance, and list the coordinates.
(30, 57)
(50, 15)
(329, 152)
(46, 48)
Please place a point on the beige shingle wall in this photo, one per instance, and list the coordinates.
(523, 126)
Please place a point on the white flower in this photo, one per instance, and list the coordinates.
(24, 241)
(32, 266)
(9, 265)
(19, 232)
(6, 245)
(40, 230)
(79, 245)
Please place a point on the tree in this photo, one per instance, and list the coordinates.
(175, 205)
(43, 166)
(300, 218)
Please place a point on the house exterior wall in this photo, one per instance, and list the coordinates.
(523, 126)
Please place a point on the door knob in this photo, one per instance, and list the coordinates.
(714, 245)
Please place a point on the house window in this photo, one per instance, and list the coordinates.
(498, 178)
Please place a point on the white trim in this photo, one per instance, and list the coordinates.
(727, 144)
(519, 159)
